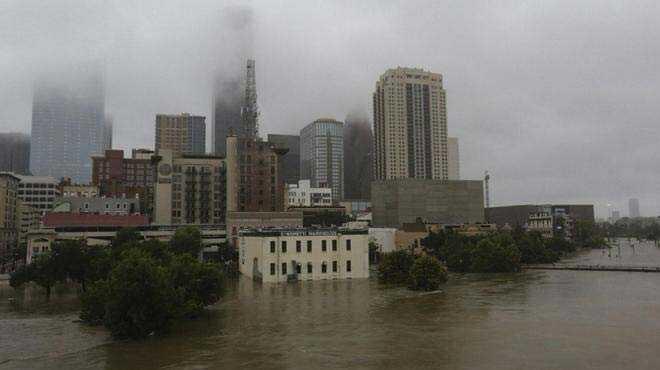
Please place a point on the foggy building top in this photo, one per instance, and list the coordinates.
(68, 112)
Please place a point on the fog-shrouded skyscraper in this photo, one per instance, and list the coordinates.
(15, 153)
(226, 113)
(68, 112)
(290, 160)
(410, 125)
(453, 159)
(633, 208)
(322, 155)
(358, 156)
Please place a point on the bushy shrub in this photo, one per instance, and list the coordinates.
(427, 273)
(394, 267)
(496, 254)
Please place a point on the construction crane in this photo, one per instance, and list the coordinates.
(487, 188)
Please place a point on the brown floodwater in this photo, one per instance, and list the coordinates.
(530, 320)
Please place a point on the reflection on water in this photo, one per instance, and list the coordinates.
(532, 320)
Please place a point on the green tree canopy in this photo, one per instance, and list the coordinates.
(394, 267)
(187, 239)
(427, 273)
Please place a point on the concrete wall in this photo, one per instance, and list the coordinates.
(395, 202)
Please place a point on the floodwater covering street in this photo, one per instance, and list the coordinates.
(531, 320)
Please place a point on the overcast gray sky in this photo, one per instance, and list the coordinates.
(557, 99)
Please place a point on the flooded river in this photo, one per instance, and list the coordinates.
(531, 320)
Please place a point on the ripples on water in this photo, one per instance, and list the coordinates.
(532, 320)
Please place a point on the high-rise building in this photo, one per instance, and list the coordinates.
(322, 155)
(633, 208)
(290, 160)
(410, 125)
(68, 111)
(254, 175)
(15, 153)
(358, 158)
(190, 189)
(9, 211)
(181, 133)
(226, 114)
(453, 159)
(116, 176)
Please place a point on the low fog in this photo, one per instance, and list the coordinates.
(558, 100)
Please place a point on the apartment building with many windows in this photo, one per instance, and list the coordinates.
(190, 189)
(39, 192)
(254, 175)
(281, 255)
(181, 133)
(410, 125)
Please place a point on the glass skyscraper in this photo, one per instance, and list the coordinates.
(322, 155)
(68, 111)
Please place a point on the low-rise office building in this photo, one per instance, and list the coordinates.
(98, 205)
(39, 192)
(303, 194)
(281, 255)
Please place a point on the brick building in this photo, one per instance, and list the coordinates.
(117, 176)
(255, 182)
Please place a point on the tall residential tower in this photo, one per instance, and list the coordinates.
(410, 125)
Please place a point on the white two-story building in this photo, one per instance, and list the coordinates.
(303, 195)
(280, 255)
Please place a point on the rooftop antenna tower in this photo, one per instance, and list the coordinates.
(250, 111)
(487, 188)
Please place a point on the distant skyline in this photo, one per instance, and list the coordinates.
(556, 99)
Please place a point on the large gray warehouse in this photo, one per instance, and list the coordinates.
(399, 201)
